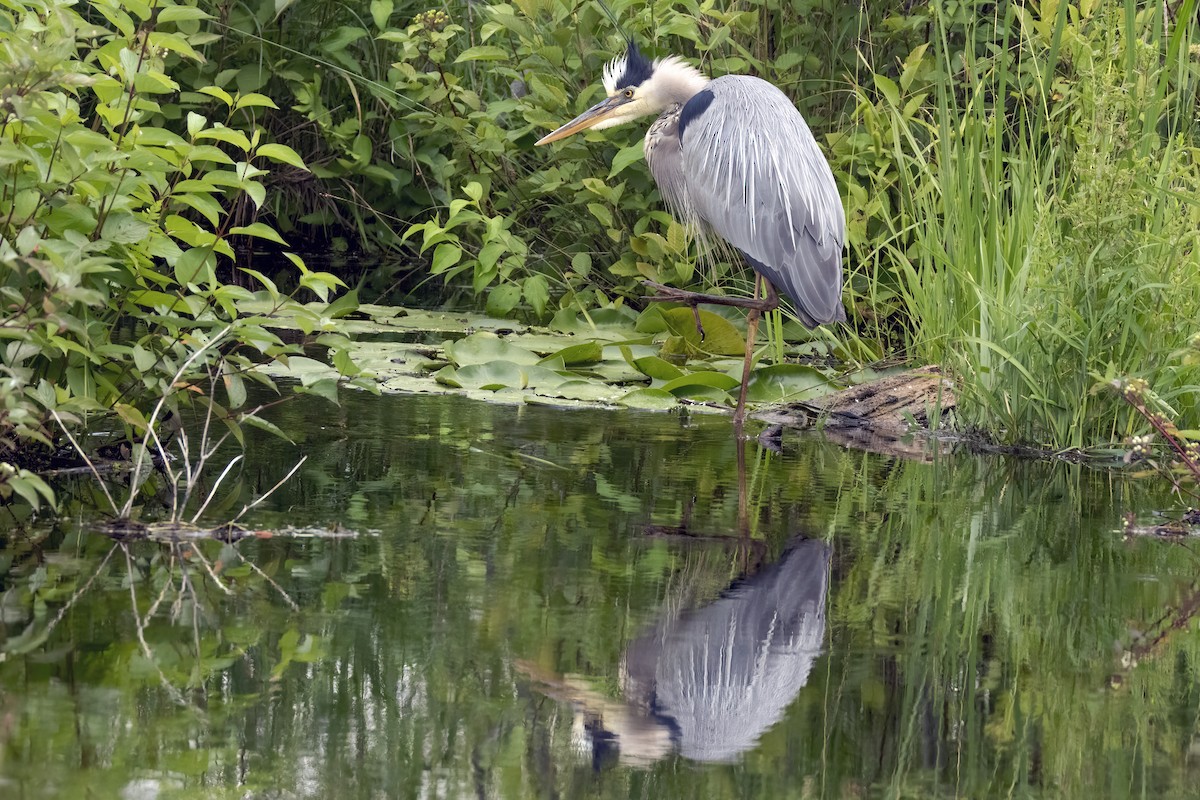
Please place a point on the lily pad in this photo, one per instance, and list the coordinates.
(780, 382)
(583, 390)
(721, 338)
(649, 400)
(582, 353)
(539, 377)
(603, 323)
(712, 380)
(656, 368)
(492, 376)
(484, 348)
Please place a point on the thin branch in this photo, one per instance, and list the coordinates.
(287, 598)
(87, 461)
(271, 491)
(142, 622)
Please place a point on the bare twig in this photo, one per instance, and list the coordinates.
(211, 572)
(271, 491)
(86, 460)
(158, 407)
(141, 623)
(213, 492)
(287, 598)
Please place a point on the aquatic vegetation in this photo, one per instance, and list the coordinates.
(655, 360)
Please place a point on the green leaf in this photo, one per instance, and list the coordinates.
(581, 263)
(887, 87)
(482, 347)
(537, 293)
(780, 382)
(503, 299)
(254, 99)
(444, 257)
(601, 213)
(217, 92)
(483, 52)
(181, 14)
(260, 230)
(626, 156)
(649, 399)
(656, 368)
(720, 336)
(491, 376)
(235, 388)
(682, 385)
(282, 154)
(381, 11)
(582, 353)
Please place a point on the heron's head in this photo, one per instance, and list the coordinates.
(635, 87)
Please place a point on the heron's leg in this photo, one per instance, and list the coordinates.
(752, 319)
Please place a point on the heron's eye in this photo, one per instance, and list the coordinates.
(628, 94)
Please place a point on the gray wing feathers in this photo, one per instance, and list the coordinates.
(752, 171)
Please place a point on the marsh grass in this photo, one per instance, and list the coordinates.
(1044, 229)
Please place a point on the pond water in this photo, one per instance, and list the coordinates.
(538, 602)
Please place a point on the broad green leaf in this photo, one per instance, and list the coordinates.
(649, 399)
(444, 257)
(491, 376)
(781, 382)
(624, 157)
(501, 300)
(181, 14)
(714, 380)
(656, 368)
(483, 347)
(254, 99)
(582, 353)
(259, 230)
(281, 153)
(720, 336)
(217, 92)
(537, 293)
(483, 52)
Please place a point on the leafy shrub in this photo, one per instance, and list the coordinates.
(116, 220)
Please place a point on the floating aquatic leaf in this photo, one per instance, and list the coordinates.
(583, 390)
(656, 368)
(540, 377)
(607, 323)
(491, 376)
(582, 353)
(649, 399)
(780, 382)
(484, 348)
(713, 380)
(651, 320)
(720, 335)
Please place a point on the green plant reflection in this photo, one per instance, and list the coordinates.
(986, 630)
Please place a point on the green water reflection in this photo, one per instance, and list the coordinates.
(533, 593)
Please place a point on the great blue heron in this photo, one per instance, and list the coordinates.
(733, 156)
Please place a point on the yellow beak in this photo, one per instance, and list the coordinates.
(605, 109)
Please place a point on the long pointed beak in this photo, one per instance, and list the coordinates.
(603, 110)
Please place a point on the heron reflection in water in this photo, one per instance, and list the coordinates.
(711, 681)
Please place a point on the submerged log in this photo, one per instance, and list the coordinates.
(885, 416)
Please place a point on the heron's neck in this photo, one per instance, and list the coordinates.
(676, 81)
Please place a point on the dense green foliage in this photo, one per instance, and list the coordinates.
(1020, 179)
(124, 197)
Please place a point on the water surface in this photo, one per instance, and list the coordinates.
(551, 603)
